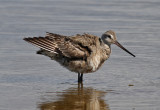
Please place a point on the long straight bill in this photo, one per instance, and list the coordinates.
(119, 45)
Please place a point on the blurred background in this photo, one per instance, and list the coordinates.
(32, 82)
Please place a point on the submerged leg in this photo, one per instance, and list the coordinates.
(80, 77)
(80, 87)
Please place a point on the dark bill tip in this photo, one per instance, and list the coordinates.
(119, 45)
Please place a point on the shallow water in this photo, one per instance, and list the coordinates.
(32, 82)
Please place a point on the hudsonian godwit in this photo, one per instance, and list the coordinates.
(80, 53)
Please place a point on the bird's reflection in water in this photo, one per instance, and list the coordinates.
(81, 98)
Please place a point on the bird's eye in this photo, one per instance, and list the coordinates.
(109, 36)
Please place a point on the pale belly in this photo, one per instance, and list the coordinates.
(80, 66)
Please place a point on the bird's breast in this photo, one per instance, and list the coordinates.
(94, 62)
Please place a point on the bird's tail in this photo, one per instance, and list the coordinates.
(43, 43)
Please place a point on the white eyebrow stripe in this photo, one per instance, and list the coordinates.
(111, 36)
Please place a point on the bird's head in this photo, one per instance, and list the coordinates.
(109, 37)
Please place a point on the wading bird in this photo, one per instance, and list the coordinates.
(80, 53)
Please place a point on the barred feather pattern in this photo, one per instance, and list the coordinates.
(57, 44)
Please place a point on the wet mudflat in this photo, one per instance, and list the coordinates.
(32, 82)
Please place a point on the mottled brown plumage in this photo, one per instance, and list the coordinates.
(80, 53)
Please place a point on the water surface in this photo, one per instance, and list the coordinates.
(32, 82)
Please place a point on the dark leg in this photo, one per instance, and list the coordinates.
(80, 77)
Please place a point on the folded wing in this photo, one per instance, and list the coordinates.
(59, 44)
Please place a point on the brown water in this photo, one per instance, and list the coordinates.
(32, 82)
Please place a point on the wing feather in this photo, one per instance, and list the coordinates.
(59, 44)
(71, 50)
(42, 43)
